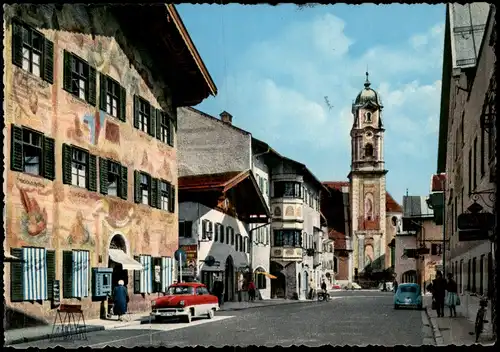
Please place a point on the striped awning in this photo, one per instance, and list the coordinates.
(128, 263)
(7, 257)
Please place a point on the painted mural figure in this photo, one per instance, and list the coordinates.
(35, 219)
(368, 255)
(79, 233)
(368, 207)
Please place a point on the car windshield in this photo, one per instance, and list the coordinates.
(180, 290)
(408, 289)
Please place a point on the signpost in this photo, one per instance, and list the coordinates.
(180, 256)
(474, 225)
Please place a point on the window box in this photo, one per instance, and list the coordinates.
(32, 152)
(80, 78)
(32, 51)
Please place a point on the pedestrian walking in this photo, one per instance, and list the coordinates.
(395, 285)
(120, 300)
(251, 291)
(439, 293)
(452, 299)
(218, 291)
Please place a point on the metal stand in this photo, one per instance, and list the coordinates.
(72, 323)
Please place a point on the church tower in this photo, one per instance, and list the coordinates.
(367, 184)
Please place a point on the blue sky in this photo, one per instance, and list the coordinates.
(274, 65)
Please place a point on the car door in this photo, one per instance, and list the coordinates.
(201, 301)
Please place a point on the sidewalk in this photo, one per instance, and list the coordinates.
(37, 333)
(455, 331)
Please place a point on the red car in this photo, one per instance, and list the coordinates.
(185, 300)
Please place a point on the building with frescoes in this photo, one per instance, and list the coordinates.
(91, 165)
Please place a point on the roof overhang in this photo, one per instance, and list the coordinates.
(249, 202)
(173, 54)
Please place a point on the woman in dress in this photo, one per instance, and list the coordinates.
(120, 298)
(452, 299)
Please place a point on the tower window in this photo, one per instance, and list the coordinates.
(368, 117)
(369, 150)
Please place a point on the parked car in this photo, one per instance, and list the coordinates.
(352, 286)
(185, 301)
(336, 287)
(389, 286)
(408, 295)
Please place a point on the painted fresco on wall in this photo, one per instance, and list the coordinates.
(369, 255)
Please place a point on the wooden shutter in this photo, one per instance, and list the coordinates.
(92, 93)
(137, 277)
(153, 194)
(122, 114)
(51, 272)
(92, 175)
(48, 61)
(137, 186)
(158, 197)
(67, 74)
(136, 111)
(67, 280)
(103, 89)
(171, 132)
(204, 229)
(103, 176)
(66, 162)
(49, 167)
(152, 121)
(159, 115)
(16, 149)
(17, 44)
(124, 182)
(16, 276)
(171, 203)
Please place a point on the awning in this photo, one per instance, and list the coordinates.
(10, 258)
(128, 263)
(266, 274)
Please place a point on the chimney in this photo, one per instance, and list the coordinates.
(226, 117)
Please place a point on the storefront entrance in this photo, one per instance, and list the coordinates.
(229, 280)
(118, 242)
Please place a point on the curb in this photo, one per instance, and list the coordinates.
(437, 333)
(48, 336)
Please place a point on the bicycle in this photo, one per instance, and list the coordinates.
(479, 324)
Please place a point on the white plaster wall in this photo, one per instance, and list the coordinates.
(402, 264)
(196, 213)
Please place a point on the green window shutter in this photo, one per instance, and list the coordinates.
(92, 175)
(92, 93)
(171, 203)
(153, 198)
(152, 272)
(67, 284)
(137, 186)
(171, 133)
(103, 88)
(158, 194)
(49, 165)
(16, 276)
(137, 277)
(17, 44)
(103, 176)
(136, 111)
(51, 271)
(48, 61)
(16, 148)
(159, 114)
(68, 77)
(152, 121)
(123, 104)
(66, 162)
(124, 182)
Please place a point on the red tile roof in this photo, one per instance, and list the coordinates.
(337, 185)
(438, 182)
(338, 238)
(391, 206)
(206, 181)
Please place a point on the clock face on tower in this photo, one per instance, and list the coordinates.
(369, 134)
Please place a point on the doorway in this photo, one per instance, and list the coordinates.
(118, 242)
(229, 279)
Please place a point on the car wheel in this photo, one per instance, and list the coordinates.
(211, 313)
(419, 307)
(187, 318)
(396, 306)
